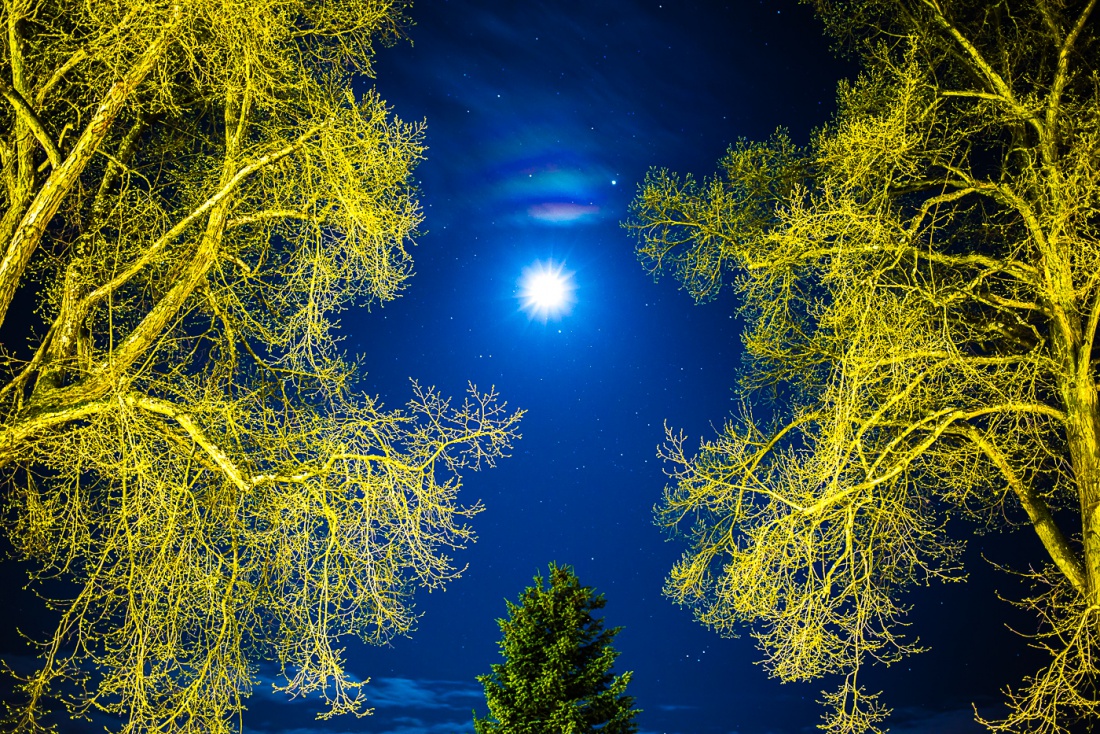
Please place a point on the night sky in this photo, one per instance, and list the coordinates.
(542, 119)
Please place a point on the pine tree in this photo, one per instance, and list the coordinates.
(556, 676)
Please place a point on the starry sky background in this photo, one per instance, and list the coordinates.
(542, 119)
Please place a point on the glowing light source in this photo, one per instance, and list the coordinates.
(546, 290)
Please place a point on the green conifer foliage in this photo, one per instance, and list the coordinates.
(556, 677)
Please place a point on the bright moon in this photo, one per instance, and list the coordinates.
(546, 290)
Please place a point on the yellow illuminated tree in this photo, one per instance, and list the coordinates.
(921, 288)
(192, 193)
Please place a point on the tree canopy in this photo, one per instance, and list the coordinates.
(921, 289)
(192, 193)
(556, 677)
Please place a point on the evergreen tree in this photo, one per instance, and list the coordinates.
(556, 675)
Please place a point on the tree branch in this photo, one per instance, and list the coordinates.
(150, 253)
(985, 69)
(267, 216)
(14, 437)
(1062, 74)
(1041, 518)
(943, 419)
(161, 407)
(31, 119)
(30, 230)
(1089, 340)
(79, 55)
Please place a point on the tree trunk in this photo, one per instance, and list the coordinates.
(1083, 432)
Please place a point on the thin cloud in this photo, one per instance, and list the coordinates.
(417, 726)
(923, 721)
(397, 725)
(562, 213)
(420, 694)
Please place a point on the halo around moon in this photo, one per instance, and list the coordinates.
(546, 290)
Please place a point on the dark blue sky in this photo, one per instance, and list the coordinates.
(542, 118)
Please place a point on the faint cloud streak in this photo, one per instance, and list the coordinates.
(420, 694)
(562, 213)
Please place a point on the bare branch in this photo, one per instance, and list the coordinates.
(151, 253)
(27, 114)
(1041, 518)
(30, 230)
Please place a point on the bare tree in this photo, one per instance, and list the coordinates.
(922, 287)
(192, 193)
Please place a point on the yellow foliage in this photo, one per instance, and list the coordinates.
(191, 194)
(920, 285)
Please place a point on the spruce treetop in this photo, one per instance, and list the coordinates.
(557, 671)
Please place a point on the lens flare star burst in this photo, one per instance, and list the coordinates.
(546, 290)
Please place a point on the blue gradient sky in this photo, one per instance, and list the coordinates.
(542, 118)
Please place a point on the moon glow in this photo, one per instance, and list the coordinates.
(546, 290)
